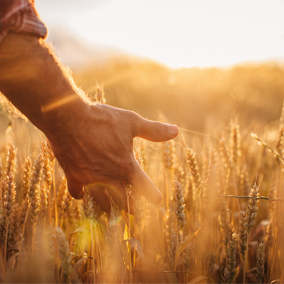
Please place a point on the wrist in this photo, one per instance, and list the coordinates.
(63, 116)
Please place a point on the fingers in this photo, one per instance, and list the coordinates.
(145, 187)
(75, 189)
(118, 194)
(153, 130)
(100, 196)
(101, 192)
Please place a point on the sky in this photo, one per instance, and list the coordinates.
(177, 33)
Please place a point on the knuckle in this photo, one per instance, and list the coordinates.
(133, 114)
(156, 128)
(135, 121)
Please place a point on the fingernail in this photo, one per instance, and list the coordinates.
(173, 130)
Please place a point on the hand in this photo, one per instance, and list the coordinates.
(96, 148)
(93, 143)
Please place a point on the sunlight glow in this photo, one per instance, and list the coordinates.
(180, 33)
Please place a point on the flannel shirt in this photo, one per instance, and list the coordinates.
(20, 16)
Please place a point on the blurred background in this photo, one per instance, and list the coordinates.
(200, 63)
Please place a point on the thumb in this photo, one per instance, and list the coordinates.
(75, 189)
(155, 131)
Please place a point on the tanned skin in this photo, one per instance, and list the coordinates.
(92, 142)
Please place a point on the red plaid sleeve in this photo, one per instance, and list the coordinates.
(20, 16)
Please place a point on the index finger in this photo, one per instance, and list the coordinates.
(144, 186)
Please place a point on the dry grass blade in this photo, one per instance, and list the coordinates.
(137, 245)
(260, 142)
(238, 270)
(12, 261)
(79, 263)
(78, 230)
(185, 244)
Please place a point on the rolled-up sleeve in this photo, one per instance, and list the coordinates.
(20, 16)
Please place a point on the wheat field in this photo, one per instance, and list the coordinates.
(221, 179)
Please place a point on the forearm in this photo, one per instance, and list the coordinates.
(92, 143)
(33, 80)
